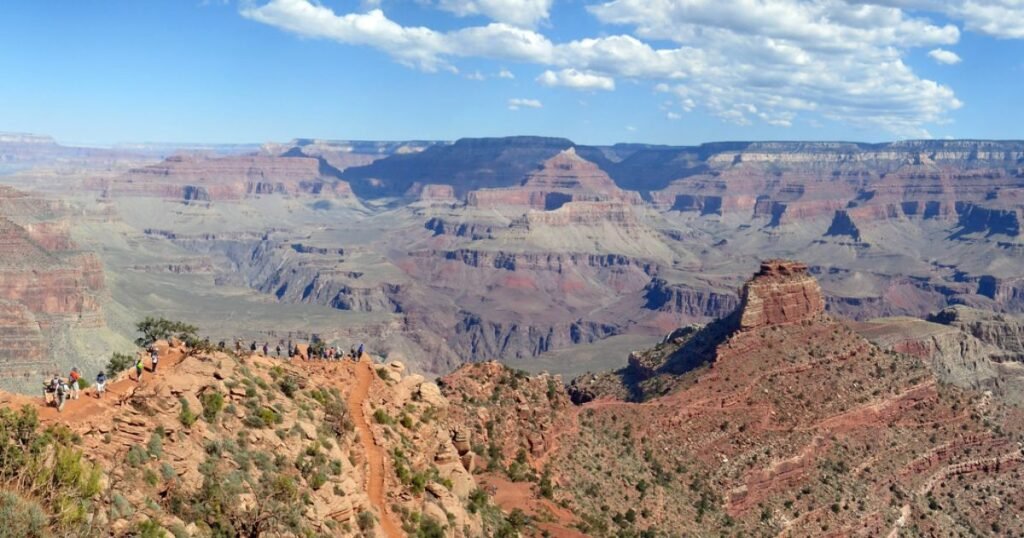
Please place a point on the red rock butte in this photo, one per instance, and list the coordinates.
(782, 292)
(564, 178)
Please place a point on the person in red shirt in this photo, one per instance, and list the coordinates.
(73, 383)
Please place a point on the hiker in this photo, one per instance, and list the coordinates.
(360, 355)
(60, 395)
(73, 383)
(238, 347)
(266, 349)
(252, 347)
(154, 358)
(50, 389)
(101, 384)
(277, 351)
(138, 368)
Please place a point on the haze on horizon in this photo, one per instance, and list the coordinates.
(599, 72)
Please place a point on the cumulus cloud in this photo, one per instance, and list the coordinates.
(517, 12)
(516, 104)
(505, 73)
(771, 61)
(944, 56)
(997, 18)
(577, 80)
(673, 116)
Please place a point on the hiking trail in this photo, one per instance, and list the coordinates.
(374, 455)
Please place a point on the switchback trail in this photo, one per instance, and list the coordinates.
(374, 454)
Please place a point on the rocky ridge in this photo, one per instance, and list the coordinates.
(794, 425)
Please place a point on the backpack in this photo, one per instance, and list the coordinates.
(74, 376)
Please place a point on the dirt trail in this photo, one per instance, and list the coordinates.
(374, 454)
(88, 406)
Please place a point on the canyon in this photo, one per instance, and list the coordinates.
(522, 249)
(778, 418)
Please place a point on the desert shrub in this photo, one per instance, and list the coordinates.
(136, 456)
(213, 403)
(45, 466)
(155, 447)
(187, 416)
(22, 517)
(118, 363)
(382, 417)
(365, 520)
(288, 385)
(429, 528)
(263, 417)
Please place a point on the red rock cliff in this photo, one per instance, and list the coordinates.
(782, 292)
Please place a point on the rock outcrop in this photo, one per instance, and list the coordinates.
(782, 292)
(562, 179)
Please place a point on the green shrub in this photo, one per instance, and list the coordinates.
(155, 447)
(288, 385)
(118, 363)
(213, 403)
(137, 456)
(382, 417)
(366, 520)
(187, 416)
(22, 517)
(149, 529)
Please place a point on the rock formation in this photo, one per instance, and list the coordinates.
(785, 427)
(201, 178)
(46, 285)
(562, 179)
(780, 293)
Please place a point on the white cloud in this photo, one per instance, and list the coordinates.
(770, 61)
(505, 73)
(944, 56)
(997, 18)
(577, 80)
(516, 104)
(476, 75)
(674, 116)
(525, 13)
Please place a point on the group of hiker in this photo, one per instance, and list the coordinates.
(59, 390)
(307, 352)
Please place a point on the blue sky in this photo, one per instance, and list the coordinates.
(595, 71)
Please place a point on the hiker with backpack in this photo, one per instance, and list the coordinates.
(138, 368)
(154, 358)
(61, 395)
(266, 349)
(50, 389)
(101, 384)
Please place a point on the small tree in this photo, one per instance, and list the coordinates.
(153, 329)
(118, 363)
